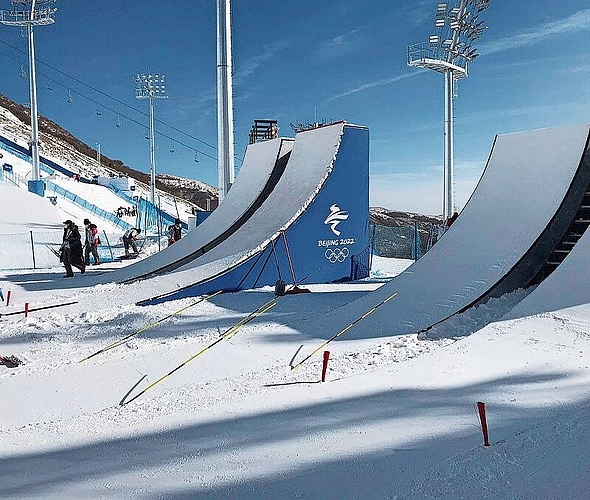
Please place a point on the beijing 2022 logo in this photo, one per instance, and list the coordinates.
(336, 217)
(336, 248)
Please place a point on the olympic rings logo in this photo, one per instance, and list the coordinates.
(336, 254)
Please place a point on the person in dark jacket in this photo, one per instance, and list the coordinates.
(174, 232)
(71, 249)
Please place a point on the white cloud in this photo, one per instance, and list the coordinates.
(580, 21)
(341, 44)
(249, 67)
(371, 85)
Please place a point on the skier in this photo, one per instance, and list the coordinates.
(129, 240)
(91, 243)
(71, 249)
(174, 232)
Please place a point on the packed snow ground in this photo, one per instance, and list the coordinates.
(395, 418)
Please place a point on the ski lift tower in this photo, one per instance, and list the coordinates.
(151, 86)
(26, 14)
(449, 52)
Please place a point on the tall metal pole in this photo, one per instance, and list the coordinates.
(225, 131)
(33, 96)
(151, 86)
(152, 154)
(449, 157)
(98, 154)
(29, 13)
(448, 202)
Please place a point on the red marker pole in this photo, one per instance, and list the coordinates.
(481, 408)
(8, 298)
(26, 309)
(325, 366)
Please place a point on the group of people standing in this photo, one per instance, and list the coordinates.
(73, 253)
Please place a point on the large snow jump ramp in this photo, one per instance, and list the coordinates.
(319, 207)
(527, 196)
(264, 164)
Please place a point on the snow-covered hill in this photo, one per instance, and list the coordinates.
(60, 146)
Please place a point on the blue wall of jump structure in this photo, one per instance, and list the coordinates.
(329, 242)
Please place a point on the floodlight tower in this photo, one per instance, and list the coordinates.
(449, 52)
(225, 118)
(29, 13)
(151, 86)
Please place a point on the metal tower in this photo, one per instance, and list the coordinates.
(449, 52)
(29, 13)
(152, 87)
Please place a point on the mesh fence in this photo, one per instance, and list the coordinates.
(40, 249)
(403, 242)
(30, 250)
(151, 218)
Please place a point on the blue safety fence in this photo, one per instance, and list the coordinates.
(87, 206)
(20, 181)
(151, 218)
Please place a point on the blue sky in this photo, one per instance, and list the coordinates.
(293, 61)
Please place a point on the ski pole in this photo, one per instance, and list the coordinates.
(117, 343)
(40, 308)
(227, 334)
(344, 330)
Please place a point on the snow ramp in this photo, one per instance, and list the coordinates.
(313, 226)
(529, 192)
(264, 164)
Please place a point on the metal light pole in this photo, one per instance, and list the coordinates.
(152, 87)
(98, 153)
(29, 13)
(450, 52)
(225, 126)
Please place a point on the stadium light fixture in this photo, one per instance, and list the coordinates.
(449, 52)
(26, 14)
(151, 86)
